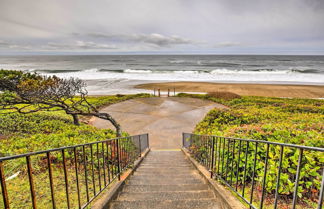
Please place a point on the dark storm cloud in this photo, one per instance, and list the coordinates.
(261, 26)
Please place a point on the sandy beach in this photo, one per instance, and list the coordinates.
(269, 90)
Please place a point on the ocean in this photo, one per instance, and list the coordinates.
(117, 73)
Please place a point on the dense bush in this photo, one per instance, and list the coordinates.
(22, 133)
(294, 121)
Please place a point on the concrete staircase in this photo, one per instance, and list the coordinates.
(165, 180)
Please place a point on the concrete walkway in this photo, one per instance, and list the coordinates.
(163, 118)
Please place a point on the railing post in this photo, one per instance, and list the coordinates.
(148, 140)
(31, 182)
(320, 198)
(49, 164)
(168, 92)
(183, 145)
(300, 159)
(3, 187)
(159, 92)
(213, 158)
(154, 92)
(139, 146)
(118, 160)
(174, 91)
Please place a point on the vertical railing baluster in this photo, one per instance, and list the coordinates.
(85, 172)
(253, 174)
(183, 140)
(244, 175)
(216, 156)
(264, 177)
(66, 180)
(77, 176)
(140, 146)
(31, 182)
(223, 160)
(92, 171)
(219, 155)
(50, 175)
(297, 177)
(112, 152)
(238, 165)
(4, 187)
(227, 158)
(98, 164)
(211, 152)
(108, 167)
(103, 162)
(278, 177)
(213, 157)
(321, 195)
(118, 159)
(232, 167)
(205, 159)
(121, 154)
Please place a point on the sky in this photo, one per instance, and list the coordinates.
(162, 27)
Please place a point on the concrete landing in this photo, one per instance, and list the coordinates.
(163, 118)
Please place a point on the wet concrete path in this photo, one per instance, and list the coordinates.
(164, 118)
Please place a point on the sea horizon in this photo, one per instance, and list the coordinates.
(106, 74)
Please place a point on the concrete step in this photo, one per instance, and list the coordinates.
(164, 188)
(167, 166)
(177, 160)
(166, 204)
(159, 178)
(182, 195)
(167, 175)
(174, 169)
(163, 181)
(165, 163)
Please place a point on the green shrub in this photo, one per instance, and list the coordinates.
(294, 121)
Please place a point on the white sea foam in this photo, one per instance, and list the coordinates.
(177, 61)
(92, 70)
(137, 71)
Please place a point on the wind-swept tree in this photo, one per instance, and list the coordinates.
(26, 92)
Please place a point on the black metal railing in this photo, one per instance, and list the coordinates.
(263, 173)
(67, 177)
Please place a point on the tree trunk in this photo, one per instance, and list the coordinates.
(75, 119)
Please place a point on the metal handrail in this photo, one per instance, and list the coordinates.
(222, 157)
(101, 162)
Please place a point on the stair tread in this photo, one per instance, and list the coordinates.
(171, 187)
(167, 204)
(164, 180)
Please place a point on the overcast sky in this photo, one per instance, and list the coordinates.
(162, 26)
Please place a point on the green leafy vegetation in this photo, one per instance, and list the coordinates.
(43, 130)
(21, 133)
(293, 121)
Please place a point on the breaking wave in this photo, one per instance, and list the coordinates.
(213, 71)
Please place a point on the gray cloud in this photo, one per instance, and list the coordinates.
(78, 45)
(153, 38)
(227, 44)
(163, 25)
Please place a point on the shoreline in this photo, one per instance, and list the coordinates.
(243, 89)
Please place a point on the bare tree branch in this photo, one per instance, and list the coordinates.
(30, 92)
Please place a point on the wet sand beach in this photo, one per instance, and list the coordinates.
(269, 90)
